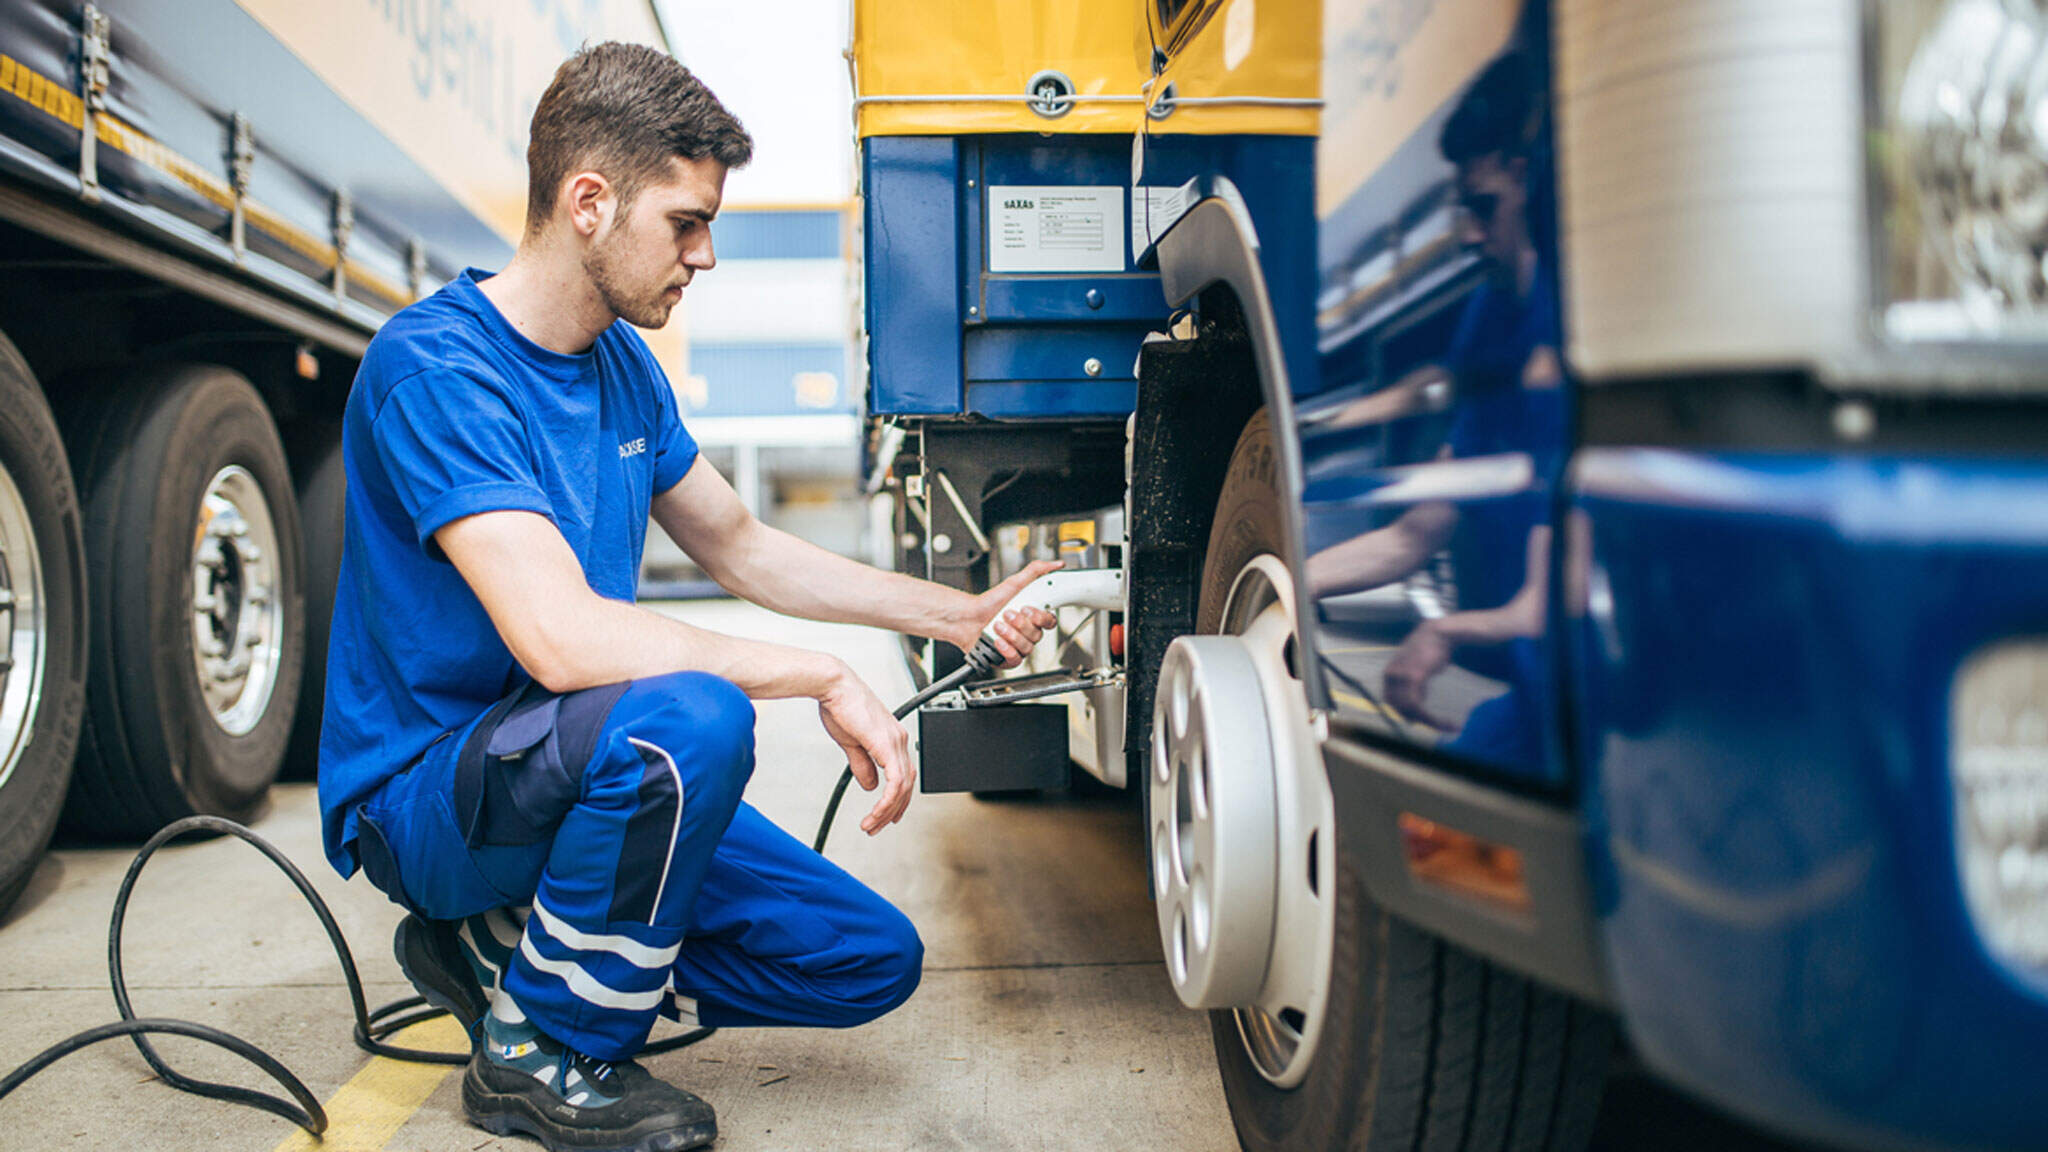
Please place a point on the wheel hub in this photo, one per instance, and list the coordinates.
(1243, 836)
(23, 628)
(1212, 833)
(236, 619)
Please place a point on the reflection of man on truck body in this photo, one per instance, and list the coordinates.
(504, 728)
(1503, 362)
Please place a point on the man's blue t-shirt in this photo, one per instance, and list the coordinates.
(455, 413)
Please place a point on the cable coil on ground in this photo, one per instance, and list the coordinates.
(372, 1027)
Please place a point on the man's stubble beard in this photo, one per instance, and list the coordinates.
(601, 264)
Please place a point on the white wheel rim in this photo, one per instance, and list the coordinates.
(1242, 836)
(1212, 823)
(24, 627)
(1282, 1027)
(237, 619)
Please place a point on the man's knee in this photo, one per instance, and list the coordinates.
(717, 715)
(890, 973)
(902, 961)
(704, 723)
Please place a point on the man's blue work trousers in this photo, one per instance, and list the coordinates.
(615, 813)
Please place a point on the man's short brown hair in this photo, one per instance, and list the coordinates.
(623, 111)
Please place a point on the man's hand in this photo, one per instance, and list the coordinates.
(873, 739)
(1015, 632)
(784, 574)
(1423, 654)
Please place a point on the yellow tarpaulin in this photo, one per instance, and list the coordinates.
(942, 67)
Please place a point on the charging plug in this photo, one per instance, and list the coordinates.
(1098, 588)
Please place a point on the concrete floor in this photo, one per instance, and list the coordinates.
(1044, 1020)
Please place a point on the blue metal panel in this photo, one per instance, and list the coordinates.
(1051, 352)
(744, 235)
(927, 205)
(911, 193)
(1049, 327)
(1763, 691)
(1053, 399)
(1035, 330)
(1275, 177)
(1104, 297)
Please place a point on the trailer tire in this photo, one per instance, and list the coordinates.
(1423, 1047)
(316, 459)
(171, 461)
(42, 568)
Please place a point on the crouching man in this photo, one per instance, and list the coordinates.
(547, 777)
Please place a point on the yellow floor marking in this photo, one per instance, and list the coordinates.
(377, 1101)
(1368, 705)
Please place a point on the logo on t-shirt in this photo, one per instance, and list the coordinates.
(633, 447)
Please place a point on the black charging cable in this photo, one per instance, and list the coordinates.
(977, 665)
(372, 1027)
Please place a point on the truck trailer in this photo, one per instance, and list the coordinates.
(1578, 471)
(206, 210)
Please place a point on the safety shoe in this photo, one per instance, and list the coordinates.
(521, 1081)
(431, 956)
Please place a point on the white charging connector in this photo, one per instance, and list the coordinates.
(1098, 588)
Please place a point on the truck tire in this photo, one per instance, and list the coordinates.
(1423, 1047)
(197, 603)
(42, 624)
(316, 462)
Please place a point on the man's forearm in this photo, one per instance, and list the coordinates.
(568, 637)
(785, 574)
(1481, 627)
(1385, 554)
(598, 641)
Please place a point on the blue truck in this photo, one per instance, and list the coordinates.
(206, 209)
(1580, 469)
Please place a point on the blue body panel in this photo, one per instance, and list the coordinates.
(910, 189)
(1063, 298)
(1755, 733)
(949, 337)
(1764, 715)
(1275, 179)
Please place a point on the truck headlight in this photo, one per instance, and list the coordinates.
(1999, 754)
(1959, 97)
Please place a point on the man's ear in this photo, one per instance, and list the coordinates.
(590, 200)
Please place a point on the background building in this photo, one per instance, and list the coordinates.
(771, 385)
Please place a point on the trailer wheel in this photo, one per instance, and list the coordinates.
(316, 460)
(1341, 1028)
(42, 624)
(198, 614)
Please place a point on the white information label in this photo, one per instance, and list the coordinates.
(1035, 228)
